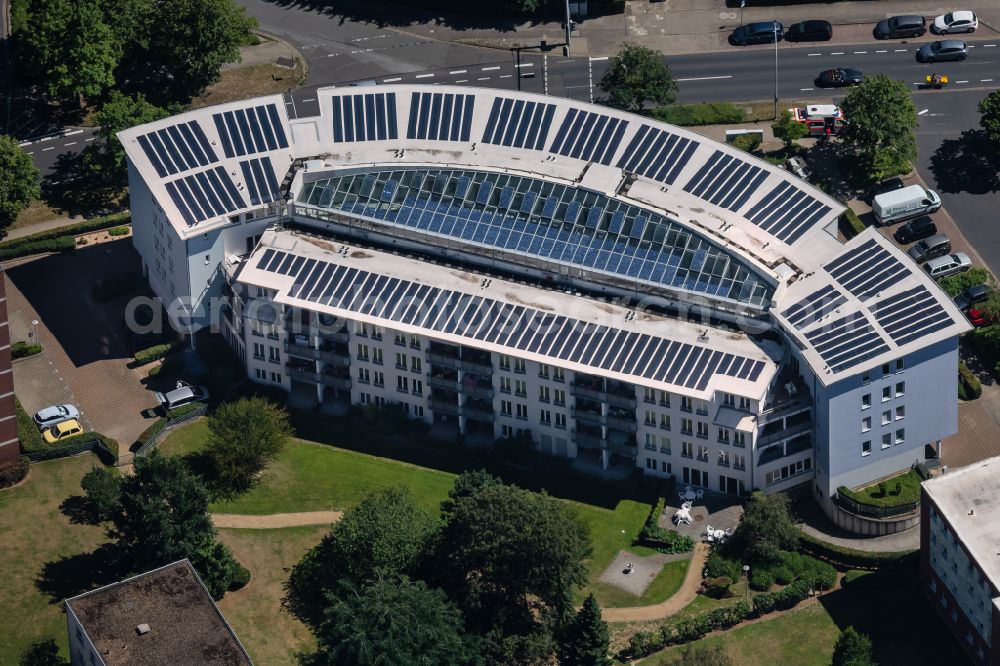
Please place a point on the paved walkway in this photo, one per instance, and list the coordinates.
(685, 595)
(276, 520)
(39, 227)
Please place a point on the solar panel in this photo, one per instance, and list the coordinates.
(589, 136)
(814, 307)
(657, 154)
(261, 183)
(867, 269)
(177, 148)
(205, 195)
(725, 180)
(847, 341)
(518, 123)
(363, 117)
(787, 212)
(252, 130)
(910, 315)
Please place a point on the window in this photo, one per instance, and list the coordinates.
(886, 440)
(866, 401)
(377, 355)
(687, 450)
(740, 439)
(401, 361)
(402, 384)
(648, 395)
(650, 443)
(866, 447)
(415, 364)
(274, 356)
(650, 417)
(258, 351)
(558, 375)
(724, 458)
(900, 388)
(506, 407)
(259, 373)
(665, 421)
(414, 342)
(650, 464)
(418, 410)
(520, 388)
(665, 445)
(900, 365)
(377, 332)
(687, 426)
(543, 371)
(418, 387)
(543, 394)
(506, 431)
(400, 340)
(866, 424)
(702, 430)
(744, 403)
(559, 397)
(560, 420)
(702, 453)
(361, 328)
(522, 411)
(664, 399)
(887, 417)
(739, 461)
(885, 368)
(379, 378)
(729, 400)
(724, 435)
(900, 436)
(686, 405)
(362, 352)
(519, 365)
(275, 377)
(366, 398)
(665, 467)
(900, 412)
(363, 375)
(504, 362)
(545, 416)
(866, 377)
(886, 393)
(505, 384)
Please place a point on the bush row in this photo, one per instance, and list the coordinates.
(14, 471)
(161, 422)
(711, 113)
(969, 387)
(645, 643)
(23, 350)
(27, 431)
(119, 231)
(856, 559)
(154, 353)
(61, 244)
(954, 285)
(95, 224)
(791, 567)
(663, 540)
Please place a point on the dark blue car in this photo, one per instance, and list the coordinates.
(764, 32)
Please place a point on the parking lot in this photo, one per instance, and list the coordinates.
(86, 358)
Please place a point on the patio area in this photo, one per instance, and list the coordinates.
(720, 511)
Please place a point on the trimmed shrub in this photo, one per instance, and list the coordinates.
(14, 472)
(154, 353)
(119, 231)
(95, 224)
(747, 142)
(27, 431)
(717, 566)
(712, 113)
(761, 580)
(969, 387)
(850, 224)
(717, 588)
(783, 575)
(60, 244)
(823, 575)
(24, 350)
(239, 578)
(856, 559)
(155, 370)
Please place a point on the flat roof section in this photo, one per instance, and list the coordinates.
(185, 625)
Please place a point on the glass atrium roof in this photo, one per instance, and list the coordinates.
(544, 220)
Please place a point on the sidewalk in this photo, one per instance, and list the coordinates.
(39, 227)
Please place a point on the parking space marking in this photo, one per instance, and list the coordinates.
(531, 64)
(506, 76)
(462, 81)
(49, 148)
(986, 80)
(920, 113)
(961, 81)
(483, 78)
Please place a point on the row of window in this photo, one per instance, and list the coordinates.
(273, 353)
(788, 471)
(887, 369)
(261, 374)
(887, 395)
(887, 440)
(888, 416)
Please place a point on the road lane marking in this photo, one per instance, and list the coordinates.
(900, 50)
(71, 143)
(988, 46)
(483, 78)
(490, 69)
(986, 80)
(837, 53)
(859, 52)
(424, 76)
(90, 139)
(601, 59)
(392, 80)
(707, 78)
(814, 54)
(525, 64)
(882, 51)
(458, 71)
(311, 99)
(462, 81)
(920, 113)
(961, 81)
(805, 89)
(506, 76)
(56, 135)
(49, 148)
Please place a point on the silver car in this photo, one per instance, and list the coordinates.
(943, 50)
(182, 395)
(54, 414)
(949, 264)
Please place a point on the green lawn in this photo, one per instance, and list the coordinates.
(43, 556)
(312, 477)
(909, 491)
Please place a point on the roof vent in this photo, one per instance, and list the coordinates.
(142, 629)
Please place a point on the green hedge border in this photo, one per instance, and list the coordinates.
(96, 224)
(856, 559)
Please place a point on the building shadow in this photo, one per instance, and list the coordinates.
(966, 164)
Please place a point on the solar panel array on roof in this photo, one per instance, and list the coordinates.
(177, 148)
(370, 117)
(490, 321)
(867, 269)
(910, 315)
(814, 307)
(787, 212)
(248, 131)
(657, 154)
(518, 123)
(205, 195)
(589, 136)
(848, 341)
(726, 181)
(440, 116)
(262, 184)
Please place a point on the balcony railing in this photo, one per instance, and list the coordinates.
(302, 351)
(302, 374)
(785, 433)
(782, 409)
(444, 383)
(619, 423)
(587, 416)
(336, 381)
(601, 395)
(444, 406)
(591, 441)
(467, 365)
(869, 511)
(478, 413)
(481, 392)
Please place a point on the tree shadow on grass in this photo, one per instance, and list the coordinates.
(966, 164)
(75, 574)
(76, 508)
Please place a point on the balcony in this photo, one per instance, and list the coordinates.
(444, 406)
(441, 382)
(478, 391)
(480, 413)
(601, 395)
(336, 381)
(340, 337)
(587, 416)
(588, 440)
(785, 433)
(302, 374)
(621, 423)
(302, 351)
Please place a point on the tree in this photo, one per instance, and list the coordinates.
(163, 517)
(393, 621)
(638, 75)
(69, 47)
(853, 649)
(700, 655)
(189, 41)
(989, 109)
(788, 129)
(879, 136)
(585, 640)
(18, 181)
(245, 436)
(384, 535)
(102, 488)
(511, 558)
(43, 653)
(107, 158)
(765, 529)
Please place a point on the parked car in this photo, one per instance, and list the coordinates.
(953, 22)
(904, 204)
(944, 50)
(937, 245)
(182, 395)
(974, 294)
(61, 431)
(915, 230)
(951, 264)
(898, 27)
(54, 414)
(798, 166)
(839, 78)
(979, 318)
(764, 32)
(810, 31)
(890, 185)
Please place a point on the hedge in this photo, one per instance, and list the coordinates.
(61, 244)
(663, 540)
(27, 431)
(850, 222)
(747, 142)
(161, 422)
(59, 233)
(105, 447)
(154, 353)
(954, 285)
(856, 559)
(119, 231)
(718, 566)
(710, 113)
(969, 387)
(24, 350)
(14, 472)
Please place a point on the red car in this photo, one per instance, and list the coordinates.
(979, 318)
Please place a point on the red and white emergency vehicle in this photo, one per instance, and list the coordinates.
(821, 119)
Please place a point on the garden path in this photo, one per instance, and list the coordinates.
(275, 520)
(685, 595)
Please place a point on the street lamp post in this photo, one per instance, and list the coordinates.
(568, 27)
(34, 331)
(746, 573)
(743, 3)
(775, 28)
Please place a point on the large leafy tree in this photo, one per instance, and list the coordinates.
(384, 535)
(245, 436)
(637, 76)
(853, 649)
(189, 41)
(788, 129)
(106, 159)
(585, 640)
(69, 47)
(989, 120)
(765, 529)
(393, 621)
(18, 181)
(162, 516)
(511, 558)
(879, 138)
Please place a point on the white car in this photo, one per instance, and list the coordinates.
(954, 22)
(50, 416)
(184, 394)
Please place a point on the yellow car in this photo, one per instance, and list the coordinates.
(61, 431)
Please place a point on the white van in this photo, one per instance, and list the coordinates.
(905, 204)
